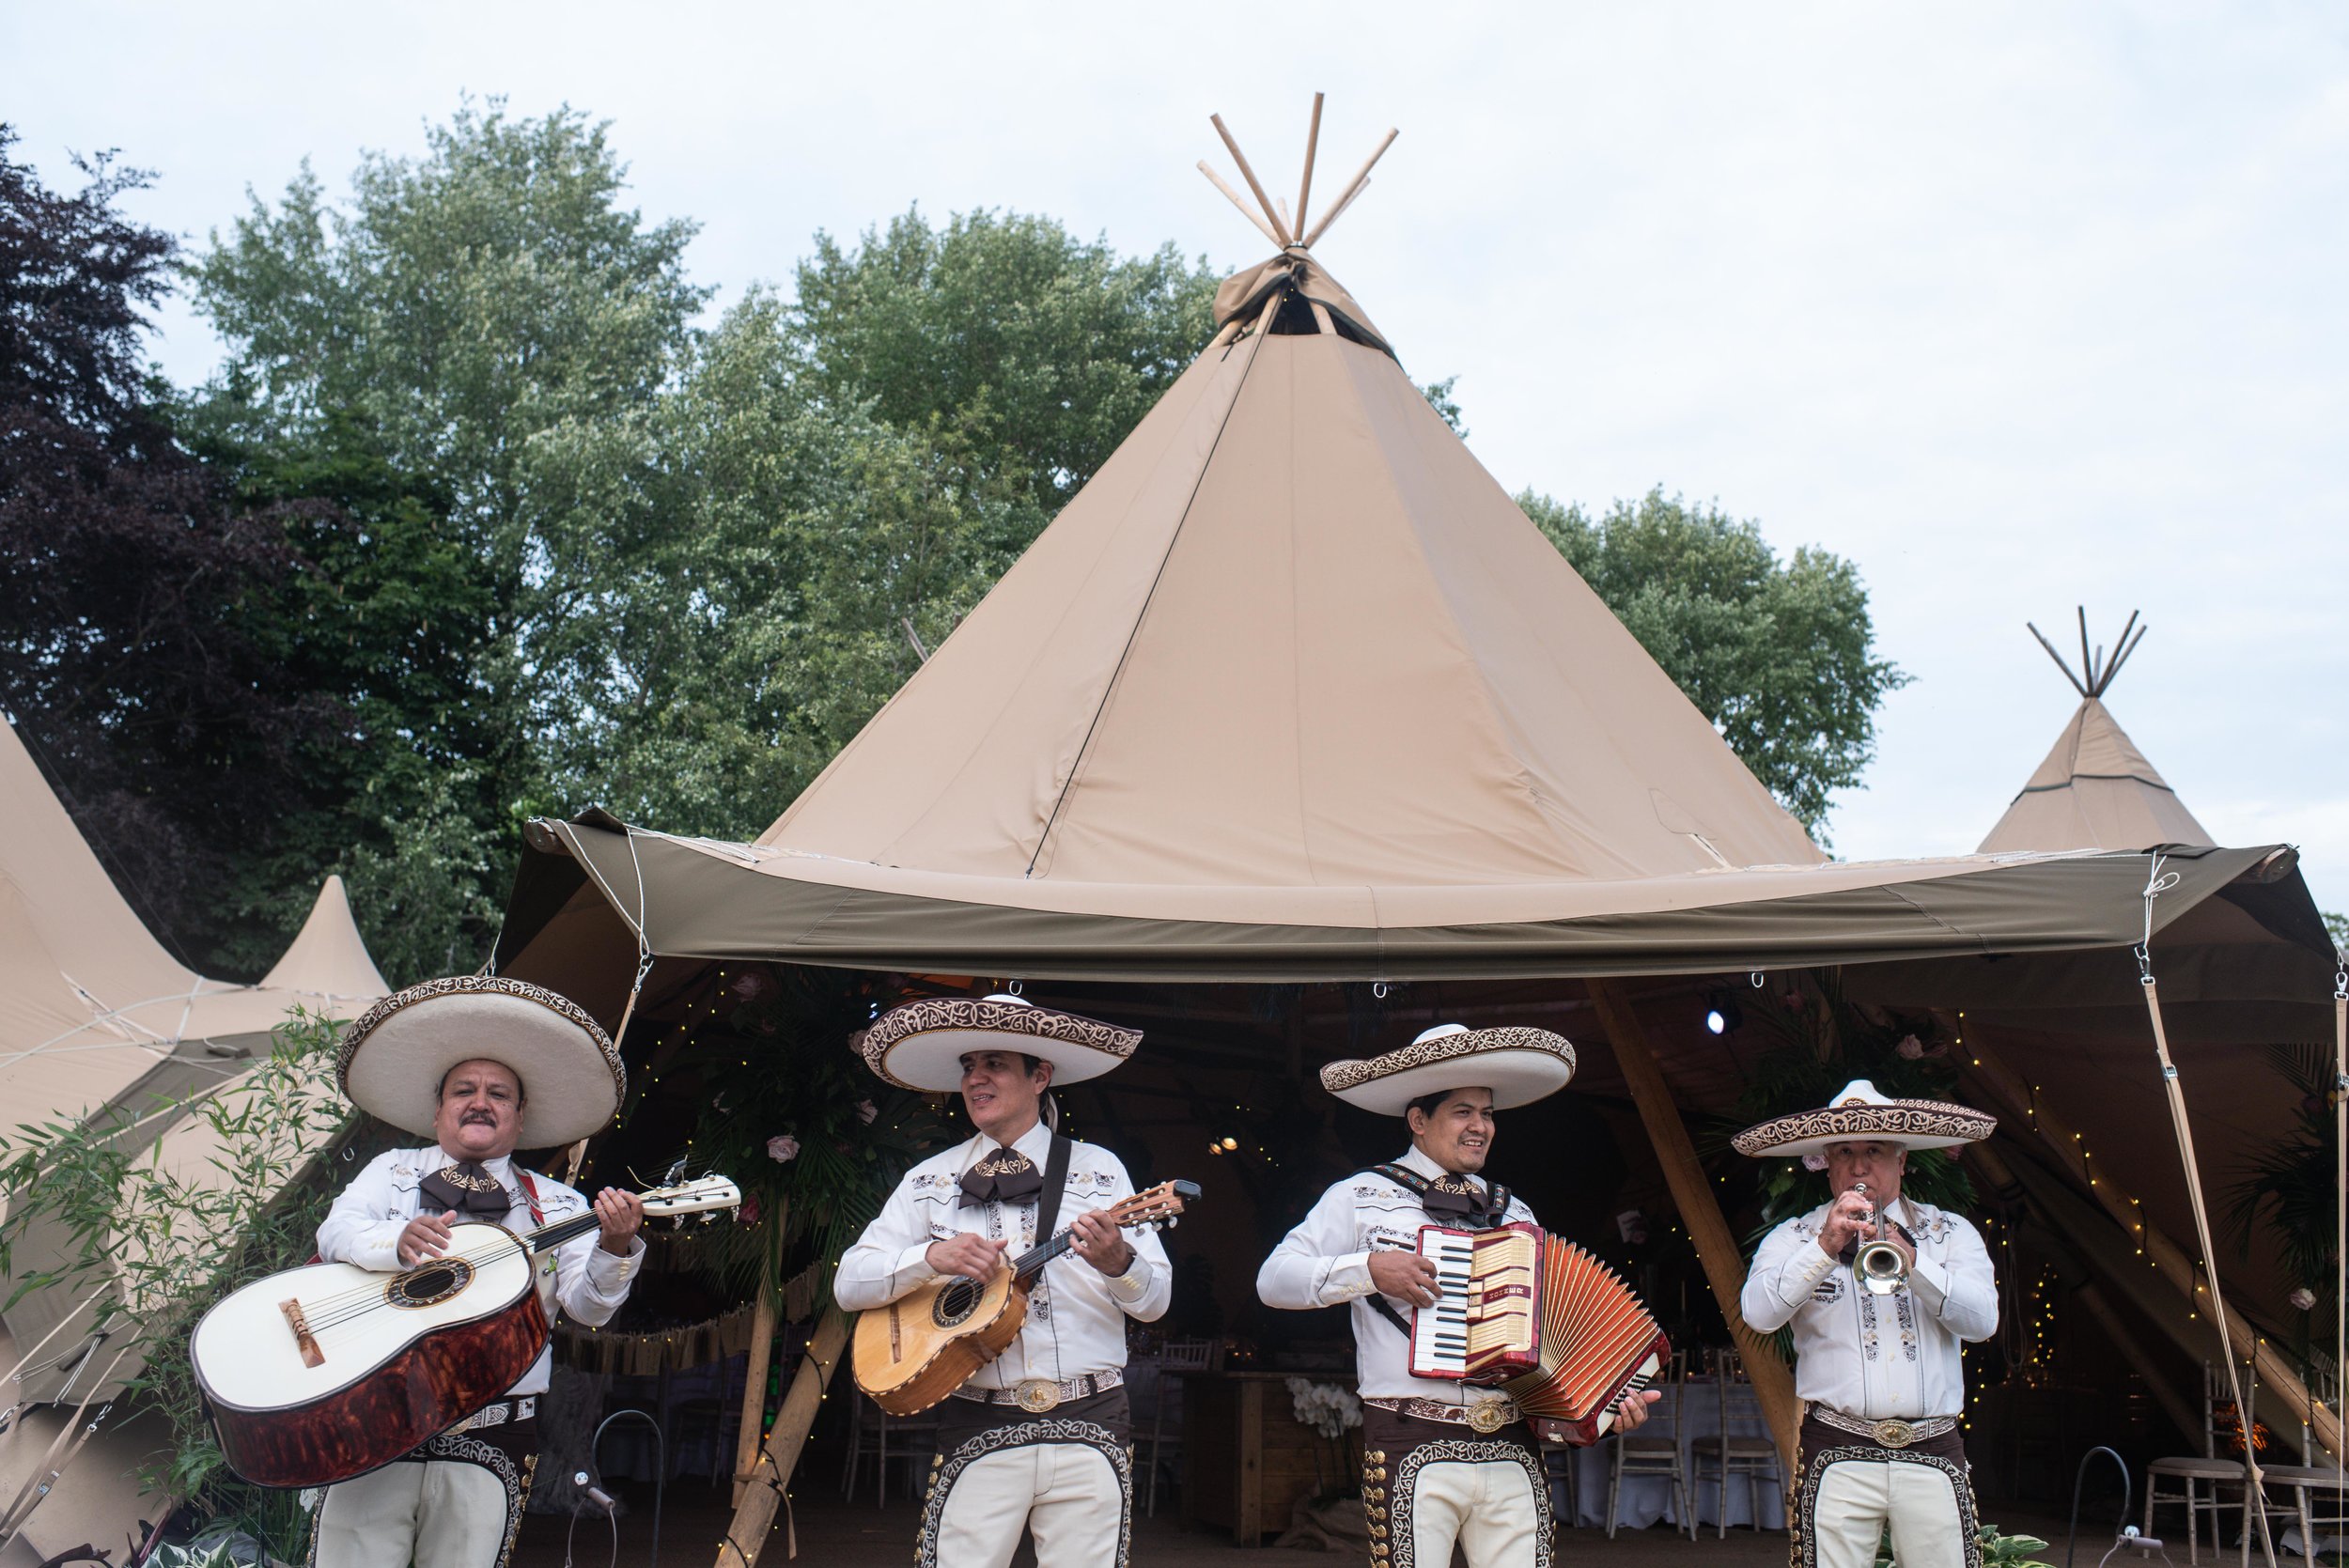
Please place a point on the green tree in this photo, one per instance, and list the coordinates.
(1026, 353)
(1780, 653)
(747, 567)
(432, 349)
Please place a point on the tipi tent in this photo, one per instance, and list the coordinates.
(2095, 790)
(1292, 690)
(95, 1014)
(93, 1009)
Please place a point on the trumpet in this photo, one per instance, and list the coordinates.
(1876, 1266)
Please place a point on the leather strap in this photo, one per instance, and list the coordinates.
(1055, 1183)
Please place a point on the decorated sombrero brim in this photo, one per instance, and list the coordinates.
(1518, 1064)
(394, 1058)
(1861, 1114)
(920, 1044)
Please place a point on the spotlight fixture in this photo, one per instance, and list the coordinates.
(1231, 1145)
(1722, 1014)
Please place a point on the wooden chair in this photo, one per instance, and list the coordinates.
(1656, 1450)
(1174, 1357)
(1750, 1457)
(2199, 1478)
(905, 1440)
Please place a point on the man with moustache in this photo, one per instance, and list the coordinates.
(1443, 1461)
(1039, 1438)
(1880, 1376)
(478, 1064)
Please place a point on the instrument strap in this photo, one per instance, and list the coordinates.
(1055, 1183)
(530, 1196)
(1496, 1196)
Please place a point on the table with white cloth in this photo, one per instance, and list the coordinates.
(1649, 1497)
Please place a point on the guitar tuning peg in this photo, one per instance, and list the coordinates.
(710, 1216)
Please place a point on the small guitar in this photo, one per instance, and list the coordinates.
(321, 1374)
(923, 1345)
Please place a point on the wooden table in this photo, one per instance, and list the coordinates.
(1246, 1459)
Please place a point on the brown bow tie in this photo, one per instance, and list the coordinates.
(1005, 1176)
(468, 1189)
(1453, 1195)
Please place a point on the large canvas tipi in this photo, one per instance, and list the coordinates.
(1291, 689)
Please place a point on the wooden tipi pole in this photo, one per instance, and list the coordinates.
(763, 1483)
(1700, 1210)
(755, 1389)
(2166, 1256)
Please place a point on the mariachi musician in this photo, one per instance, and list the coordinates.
(1039, 1439)
(480, 1066)
(1442, 1460)
(1877, 1366)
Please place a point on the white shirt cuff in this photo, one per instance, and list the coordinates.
(1348, 1277)
(609, 1272)
(1931, 1281)
(1134, 1283)
(912, 1267)
(1812, 1265)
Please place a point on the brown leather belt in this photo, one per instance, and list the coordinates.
(1037, 1395)
(1893, 1431)
(1489, 1414)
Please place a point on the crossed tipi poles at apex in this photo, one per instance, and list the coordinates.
(1272, 217)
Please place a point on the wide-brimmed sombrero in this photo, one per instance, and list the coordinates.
(394, 1058)
(1519, 1066)
(1857, 1113)
(920, 1044)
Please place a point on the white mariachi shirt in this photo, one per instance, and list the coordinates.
(1076, 1313)
(1874, 1356)
(1326, 1261)
(588, 1284)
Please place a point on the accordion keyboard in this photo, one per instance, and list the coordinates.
(1440, 1334)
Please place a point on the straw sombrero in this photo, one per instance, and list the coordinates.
(394, 1058)
(1858, 1113)
(1518, 1066)
(920, 1044)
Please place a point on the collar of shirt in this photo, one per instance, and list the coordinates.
(1036, 1143)
(1417, 1161)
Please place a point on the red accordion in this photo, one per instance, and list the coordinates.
(1539, 1318)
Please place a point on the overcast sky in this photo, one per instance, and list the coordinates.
(2017, 305)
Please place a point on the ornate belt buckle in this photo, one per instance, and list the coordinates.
(1895, 1433)
(1037, 1395)
(1487, 1416)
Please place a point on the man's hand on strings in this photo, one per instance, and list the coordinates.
(974, 1257)
(1405, 1276)
(619, 1214)
(1096, 1238)
(424, 1236)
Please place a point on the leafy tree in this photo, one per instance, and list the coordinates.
(127, 652)
(742, 565)
(1781, 655)
(436, 350)
(1023, 350)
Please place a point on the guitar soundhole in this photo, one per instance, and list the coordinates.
(955, 1303)
(435, 1282)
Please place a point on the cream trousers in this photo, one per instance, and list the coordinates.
(1491, 1509)
(1860, 1497)
(1068, 1495)
(441, 1514)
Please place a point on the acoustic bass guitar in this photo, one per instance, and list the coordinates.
(921, 1348)
(321, 1374)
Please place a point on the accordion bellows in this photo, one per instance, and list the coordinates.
(1549, 1325)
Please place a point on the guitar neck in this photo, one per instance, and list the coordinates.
(547, 1237)
(1028, 1264)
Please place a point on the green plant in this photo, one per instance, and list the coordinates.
(159, 1210)
(1997, 1551)
(814, 1140)
(2286, 1192)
